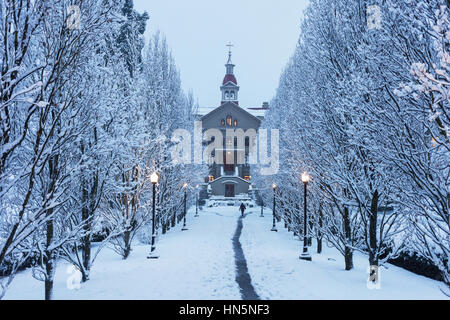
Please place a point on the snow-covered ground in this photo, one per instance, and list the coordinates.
(278, 273)
(193, 264)
(199, 264)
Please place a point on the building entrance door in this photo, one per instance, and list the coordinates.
(229, 190)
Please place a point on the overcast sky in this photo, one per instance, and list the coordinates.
(264, 34)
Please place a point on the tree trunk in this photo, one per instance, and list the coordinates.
(174, 219)
(348, 258)
(348, 254)
(89, 197)
(319, 245)
(373, 245)
(49, 262)
(84, 275)
(49, 258)
(86, 239)
(289, 222)
(319, 231)
(86, 258)
(127, 245)
(285, 218)
(48, 289)
(373, 257)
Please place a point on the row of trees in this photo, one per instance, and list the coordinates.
(363, 107)
(86, 117)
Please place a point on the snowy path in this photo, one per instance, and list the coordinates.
(201, 264)
(242, 276)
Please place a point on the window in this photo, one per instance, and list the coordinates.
(235, 123)
(229, 121)
(227, 95)
(222, 122)
(231, 95)
(229, 142)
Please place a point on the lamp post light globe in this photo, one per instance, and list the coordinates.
(305, 177)
(154, 178)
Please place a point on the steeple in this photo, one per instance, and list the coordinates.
(229, 86)
(229, 65)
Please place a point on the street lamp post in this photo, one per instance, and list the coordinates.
(196, 201)
(305, 254)
(154, 178)
(274, 227)
(185, 197)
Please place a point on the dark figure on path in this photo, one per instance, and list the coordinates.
(242, 208)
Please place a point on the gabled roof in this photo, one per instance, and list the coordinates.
(233, 106)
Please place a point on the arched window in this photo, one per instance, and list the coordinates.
(222, 122)
(231, 95)
(227, 94)
(235, 123)
(229, 121)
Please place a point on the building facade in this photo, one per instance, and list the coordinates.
(230, 172)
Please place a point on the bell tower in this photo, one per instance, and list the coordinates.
(229, 86)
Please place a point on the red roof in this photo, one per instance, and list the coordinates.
(228, 78)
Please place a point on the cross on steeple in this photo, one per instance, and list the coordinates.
(229, 45)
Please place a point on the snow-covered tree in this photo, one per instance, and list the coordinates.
(362, 106)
